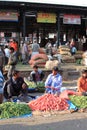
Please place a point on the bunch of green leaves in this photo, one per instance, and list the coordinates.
(79, 101)
(29, 83)
(11, 109)
(78, 61)
(40, 86)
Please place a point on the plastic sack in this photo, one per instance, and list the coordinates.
(65, 94)
(71, 105)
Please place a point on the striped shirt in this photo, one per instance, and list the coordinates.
(1, 82)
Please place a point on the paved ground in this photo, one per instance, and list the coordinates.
(65, 125)
(75, 121)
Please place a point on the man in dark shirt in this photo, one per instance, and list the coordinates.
(15, 86)
(36, 75)
(12, 62)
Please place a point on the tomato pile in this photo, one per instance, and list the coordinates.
(48, 102)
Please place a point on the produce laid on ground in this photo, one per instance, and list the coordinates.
(45, 103)
(39, 86)
(11, 109)
(29, 83)
(79, 101)
(48, 102)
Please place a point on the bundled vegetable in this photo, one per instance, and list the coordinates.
(40, 86)
(48, 102)
(79, 101)
(29, 83)
(11, 109)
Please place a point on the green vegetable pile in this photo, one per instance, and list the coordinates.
(11, 109)
(79, 101)
(40, 86)
(29, 83)
(78, 61)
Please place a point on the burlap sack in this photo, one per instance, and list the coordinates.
(63, 46)
(50, 64)
(65, 53)
(78, 56)
(39, 56)
(64, 49)
(68, 59)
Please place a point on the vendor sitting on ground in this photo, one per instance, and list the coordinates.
(82, 83)
(53, 82)
(36, 75)
(15, 86)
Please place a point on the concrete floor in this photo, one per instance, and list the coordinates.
(78, 124)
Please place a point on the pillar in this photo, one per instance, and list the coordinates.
(24, 26)
(58, 29)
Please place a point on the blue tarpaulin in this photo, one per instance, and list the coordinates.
(22, 116)
(71, 105)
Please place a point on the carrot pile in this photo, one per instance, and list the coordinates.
(48, 102)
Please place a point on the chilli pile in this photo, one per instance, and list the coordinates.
(48, 102)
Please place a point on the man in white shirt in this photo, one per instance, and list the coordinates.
(7, 51)
(25, 53)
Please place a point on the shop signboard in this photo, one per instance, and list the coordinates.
(46, 18)
(8, 16)
(71, 19)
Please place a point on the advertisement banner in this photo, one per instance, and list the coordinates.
(46, 18)
(71, 19)
(8, 16)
